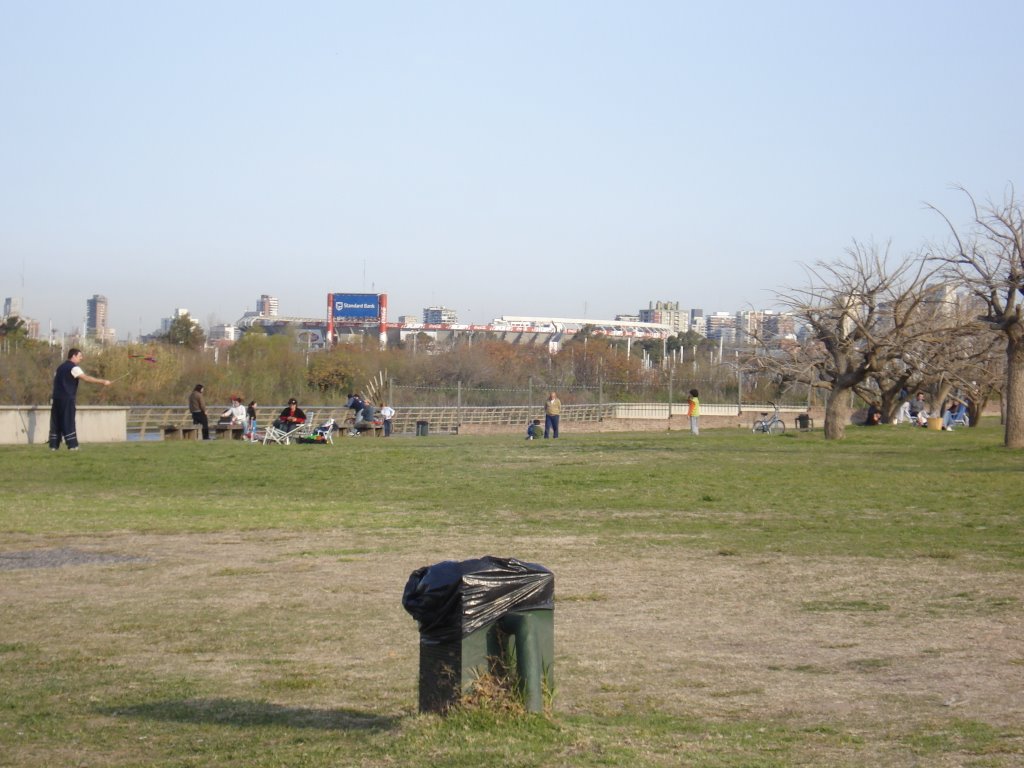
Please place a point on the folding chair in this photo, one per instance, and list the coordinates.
(275, 435)
(960, 416)
(306, 428)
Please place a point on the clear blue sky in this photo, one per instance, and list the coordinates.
(543, 158)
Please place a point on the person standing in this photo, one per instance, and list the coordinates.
(250, 421)
(65, 391)
(693, 411)
(387, 413)
(197, 406)
(552, 411)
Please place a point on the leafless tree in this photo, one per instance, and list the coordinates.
(954, 356)
(988, 258)
(862, 312)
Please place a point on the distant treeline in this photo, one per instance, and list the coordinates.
(271, 369)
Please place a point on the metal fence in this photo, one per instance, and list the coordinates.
(146, 422)
(660, 387)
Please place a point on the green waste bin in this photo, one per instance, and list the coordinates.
(473, 616)
(422, 428)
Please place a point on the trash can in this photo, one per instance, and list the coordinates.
(935, 422)
(803, 422)
(475, 614)
(422, 427)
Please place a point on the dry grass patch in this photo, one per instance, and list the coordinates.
(281, 613)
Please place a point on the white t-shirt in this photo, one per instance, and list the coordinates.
(237, 413)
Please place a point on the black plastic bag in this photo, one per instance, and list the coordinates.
(451, 600)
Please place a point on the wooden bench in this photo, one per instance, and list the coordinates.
(175, 432)
(377, 429)
(344, 429)
(234, 431)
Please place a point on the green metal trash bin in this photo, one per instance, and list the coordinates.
(475, 614)
(422, 428)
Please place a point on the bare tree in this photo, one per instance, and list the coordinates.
(989, 259)
(979, 374)
(861, 312)
(954, 358)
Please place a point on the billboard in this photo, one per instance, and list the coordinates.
(355, 306)
(309, 334)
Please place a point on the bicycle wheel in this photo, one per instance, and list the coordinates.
(776, 428)
(758, 427)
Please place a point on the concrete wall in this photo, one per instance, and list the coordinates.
(30, 424)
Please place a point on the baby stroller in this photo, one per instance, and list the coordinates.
(325, 432)
(321, 435)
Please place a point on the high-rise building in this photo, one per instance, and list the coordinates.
(96, 320)
(439, 316)
(779, 326)
(666, 313)
(697, 322)
(721, 325)
(752, 325)
(12, 308)
(267, 306)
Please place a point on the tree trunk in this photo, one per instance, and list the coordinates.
(975, 408)
(836, 414)
(889, 406)
(1014, 394)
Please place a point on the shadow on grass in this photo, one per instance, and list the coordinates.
(249, 714)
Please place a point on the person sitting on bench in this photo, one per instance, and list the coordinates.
(365, 418)
(234, 415)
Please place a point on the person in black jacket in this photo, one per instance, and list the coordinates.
(290, 417)
(65, 391)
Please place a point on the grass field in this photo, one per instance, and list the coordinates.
(730, 600)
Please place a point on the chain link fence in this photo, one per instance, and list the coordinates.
(664, 389)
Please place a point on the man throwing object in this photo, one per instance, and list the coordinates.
(65, 390)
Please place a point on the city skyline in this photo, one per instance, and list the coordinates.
(533, 158)
(96, 327)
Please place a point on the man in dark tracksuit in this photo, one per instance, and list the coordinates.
(65, 390)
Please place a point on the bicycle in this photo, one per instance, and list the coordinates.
(352, 429)
(770, 424)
